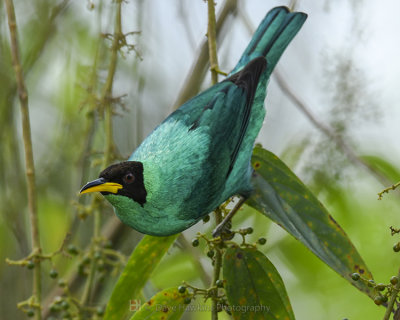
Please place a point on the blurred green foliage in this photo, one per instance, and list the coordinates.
(65, 56)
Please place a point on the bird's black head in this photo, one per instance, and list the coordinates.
(124, 178)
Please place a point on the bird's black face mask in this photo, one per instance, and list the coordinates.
(124, 178)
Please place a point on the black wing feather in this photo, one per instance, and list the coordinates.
(246, 79)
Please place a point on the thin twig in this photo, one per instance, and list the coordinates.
(27, 139)
(216, 270)
(292, 5)
(212, 41)
(108, 86)
(187, 247)
(392, 300)
(15, 221)
(221, 225)
(106, 101)
(212, 53)
(386, 190)
(29, 164)
(113, 230)
(199, 69)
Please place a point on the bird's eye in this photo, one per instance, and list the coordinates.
(129, 178)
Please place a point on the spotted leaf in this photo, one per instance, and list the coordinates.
(168, 304)
(141, 264)
(254, 287)
(282, 197)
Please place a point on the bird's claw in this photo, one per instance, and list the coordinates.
(223, 229)
(218, 230)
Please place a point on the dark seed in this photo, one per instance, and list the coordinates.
(30, 265)
(394, 280)
(53, 273)
(355, 276)
(195, 242)
(182, 289)
(262, 241)
(72, 249)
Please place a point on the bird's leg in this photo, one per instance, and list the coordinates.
(220, 228)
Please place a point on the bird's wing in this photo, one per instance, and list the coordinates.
(225, 118)
(196, 146)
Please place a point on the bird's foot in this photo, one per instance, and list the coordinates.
(223, 227)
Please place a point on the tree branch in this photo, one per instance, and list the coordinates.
(212, 41)
(213, 58)
(199, 69)
(29, 163)
(107, 102)
(392, 300)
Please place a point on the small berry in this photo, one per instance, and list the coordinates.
(227, 235)
(394, 280)
(249, 230)
(378, 300)
(100, 311)
(206, 219)
(62, 283)
(262, 241)
(210, 253)
(53, 273)
(86, 260)
(385, 299)
(195, 242)
(72, 249)
(219, 283)
(64, 305)
(100, 266)
(81, 270)
(181, 289)
(371, 283)
(380, 287)
(54, 308)
(30, 313)
(30, 265)
(187, 300)
(355, 276)
(396, 247)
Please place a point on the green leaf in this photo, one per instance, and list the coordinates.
(390, 171)
(141, 264)
(282, 197)
(165, 305)
(254, 287)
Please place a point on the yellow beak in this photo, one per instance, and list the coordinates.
(100, 185)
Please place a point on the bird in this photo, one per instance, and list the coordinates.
(199, 156)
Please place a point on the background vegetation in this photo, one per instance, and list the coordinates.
(332, 117)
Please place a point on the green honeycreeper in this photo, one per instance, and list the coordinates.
(199, 156)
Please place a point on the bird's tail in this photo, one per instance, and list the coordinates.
(272, 37)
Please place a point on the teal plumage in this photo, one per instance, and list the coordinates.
(200, 155)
